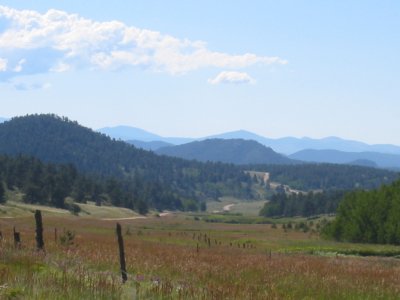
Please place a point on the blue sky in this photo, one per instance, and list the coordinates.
(195, 68)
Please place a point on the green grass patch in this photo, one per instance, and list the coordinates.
(354, 250)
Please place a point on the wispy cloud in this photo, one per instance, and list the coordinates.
(3, 64)
(21, 86)
(232, 77)
(60, 67)
(18, 67)
(63, 41)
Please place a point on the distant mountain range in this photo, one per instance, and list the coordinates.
(127, 133)
(286, 145)
(376, 159)
(290, 145)
(154, 145)
(239, 149)
(236, 151)
(3, 119)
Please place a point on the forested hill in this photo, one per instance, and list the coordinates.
(375, 159)
(236, 151)
(308, 177)
(59, 140)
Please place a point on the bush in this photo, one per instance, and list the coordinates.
(74, 208)
(67, 238)
(368, 217)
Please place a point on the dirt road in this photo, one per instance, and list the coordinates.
(228, 207)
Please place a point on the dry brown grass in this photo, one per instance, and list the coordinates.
(163, 263)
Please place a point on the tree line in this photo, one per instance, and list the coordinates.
(52, 184)
(302, 204)
(368, 216)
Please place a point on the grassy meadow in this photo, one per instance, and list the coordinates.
(180, 256)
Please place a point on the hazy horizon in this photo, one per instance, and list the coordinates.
(212, 133)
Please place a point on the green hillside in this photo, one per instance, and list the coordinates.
(235, 151)
(162, 182)
(313, 176)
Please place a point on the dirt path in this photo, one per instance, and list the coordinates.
(163, 214)
(228, 207)
(122, 219)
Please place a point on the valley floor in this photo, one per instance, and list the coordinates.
(179, 256)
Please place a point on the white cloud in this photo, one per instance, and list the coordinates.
(68, 41)
(3, 64)
(232, 77)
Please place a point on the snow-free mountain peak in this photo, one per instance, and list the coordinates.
(285, 145)
(236, 151)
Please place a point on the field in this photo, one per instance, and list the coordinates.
(180, 256)
(234, 205)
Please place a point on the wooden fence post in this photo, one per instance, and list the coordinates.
(39, 230)
(121, 254)
(17, 239)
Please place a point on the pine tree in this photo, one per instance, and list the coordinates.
(2, 192)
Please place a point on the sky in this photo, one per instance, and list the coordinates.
(196, 68)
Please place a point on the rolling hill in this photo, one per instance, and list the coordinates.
(324, 176)
(382, 160)
(235, 151)
(152, 145)
(160, 179)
